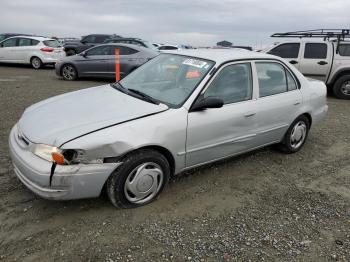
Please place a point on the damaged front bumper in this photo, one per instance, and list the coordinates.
(68, 182)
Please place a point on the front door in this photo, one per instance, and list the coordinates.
(8, 50)
(95, 62)
(220, 132)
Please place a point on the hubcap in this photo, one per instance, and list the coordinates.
(36, 63)
(298, 134)
(345, 88)
(143, 183)
(68, 72)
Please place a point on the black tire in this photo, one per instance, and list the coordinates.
(287, 145)
(71, 52)
(36, 62)
(117, 183)
(69, 72)
(341, 88)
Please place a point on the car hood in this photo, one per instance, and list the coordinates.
(58, 119)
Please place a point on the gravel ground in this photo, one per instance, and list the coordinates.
(262, 206)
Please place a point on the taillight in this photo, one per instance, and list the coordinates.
(46, 49)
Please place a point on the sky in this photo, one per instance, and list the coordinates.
(193, 22)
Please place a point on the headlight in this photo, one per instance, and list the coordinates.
(62, 156)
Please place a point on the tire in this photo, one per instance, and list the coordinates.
(36, 62)
(71, 52)
(341, 88)
(69, 72)
(296, 135)
(132, 184)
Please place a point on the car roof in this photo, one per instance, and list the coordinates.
(222, 55)
(39, 38)
(137, 47)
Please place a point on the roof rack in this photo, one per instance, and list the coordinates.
(337, 34)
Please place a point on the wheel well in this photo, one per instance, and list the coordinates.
(165, 152)
(34, 56)
(343, 73)
(308, 116)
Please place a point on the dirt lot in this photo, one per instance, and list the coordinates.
(259, 206)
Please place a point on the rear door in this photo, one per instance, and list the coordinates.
(128, 59)
(316, 61)
(289, 51)
(279, 101)
(7, 50)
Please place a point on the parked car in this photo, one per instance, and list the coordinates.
(86, 42)
(176, 112)
(7, 35)
(328, 61)
(36, 51)
(64, 40)
(99, 61)
(131, 41)
(168, 47)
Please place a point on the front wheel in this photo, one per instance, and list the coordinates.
(69, 72)
(341, 88)
(36, 62)
(296, 135)
(139, 180)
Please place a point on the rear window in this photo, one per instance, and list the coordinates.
(52, 43)
(315, 51)
(344, 50)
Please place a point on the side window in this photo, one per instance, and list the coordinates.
(315, 51)
(344, 49)
(89, 39)
(100, 38)
(100, 50)
(290, 50)
(10, 42)
(35, 42)
(232, 84)
(272, 78)
(24, 42)
(292, 85)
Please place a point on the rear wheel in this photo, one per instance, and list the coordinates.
(341, 88)
(296, 135)
(36, 62)
(69, 72)
(139, 180)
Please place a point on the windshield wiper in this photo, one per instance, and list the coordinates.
(144, 96)
(119, 87)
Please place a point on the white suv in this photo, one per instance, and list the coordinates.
(36, 51)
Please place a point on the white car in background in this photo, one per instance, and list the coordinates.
(168, 47)
(33, 50)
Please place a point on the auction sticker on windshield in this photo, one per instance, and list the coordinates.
(194, 62)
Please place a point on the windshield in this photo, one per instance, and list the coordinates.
(168, 78)
(2, 37)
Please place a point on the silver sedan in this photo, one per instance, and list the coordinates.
(180, 110)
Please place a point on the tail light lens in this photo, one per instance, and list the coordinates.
(47, 49)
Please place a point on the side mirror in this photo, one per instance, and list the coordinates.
(83, 41)
(83, 54)
(207, 102)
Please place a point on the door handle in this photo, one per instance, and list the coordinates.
(296, 103)
(293, 62)
(322, 63)
(249, 114)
